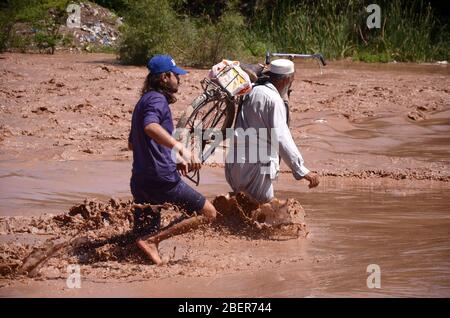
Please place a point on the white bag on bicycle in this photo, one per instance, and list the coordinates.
(231, 77)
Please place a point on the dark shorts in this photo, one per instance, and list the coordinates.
(181, 195)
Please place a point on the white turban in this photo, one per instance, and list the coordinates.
(282, 67)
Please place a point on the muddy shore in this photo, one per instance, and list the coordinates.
(377, 134)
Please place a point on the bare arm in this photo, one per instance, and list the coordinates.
(161, 136)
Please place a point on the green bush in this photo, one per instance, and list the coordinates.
(149, 29)
(19, 43)
(209, 43)
(45, 41)
(5, 29)
(299, 27)
(407, 34)
(192, 41)
(67, 40)
(44, 17)
(410, 30)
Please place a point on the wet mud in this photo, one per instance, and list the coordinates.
(377, 134)
(97, 232)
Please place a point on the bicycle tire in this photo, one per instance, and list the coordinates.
(225, 111)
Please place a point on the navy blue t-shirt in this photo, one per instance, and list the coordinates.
(152, 162)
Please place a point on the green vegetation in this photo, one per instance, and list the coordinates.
(202, 32)
(409, 30)
(193, 41)
(147, 31)
(45, 17)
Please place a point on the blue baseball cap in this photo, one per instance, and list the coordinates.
(164, 63)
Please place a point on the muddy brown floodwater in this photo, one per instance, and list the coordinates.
(377, 134)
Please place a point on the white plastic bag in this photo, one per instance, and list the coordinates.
(231, 77)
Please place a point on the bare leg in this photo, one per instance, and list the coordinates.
(149, 243)
(151, 250)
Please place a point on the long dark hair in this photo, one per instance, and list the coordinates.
(153, 83)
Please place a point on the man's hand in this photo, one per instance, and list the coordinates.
(182, 167)
(313, 179)
(186, 161)
(194, 166)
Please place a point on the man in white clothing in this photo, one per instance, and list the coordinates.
(262, 135)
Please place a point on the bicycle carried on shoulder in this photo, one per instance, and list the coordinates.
(215, 109)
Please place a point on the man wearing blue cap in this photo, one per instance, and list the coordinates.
(155, 175)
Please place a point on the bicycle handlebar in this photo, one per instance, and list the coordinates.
(316, 56)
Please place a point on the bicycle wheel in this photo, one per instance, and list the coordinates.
(204, 114)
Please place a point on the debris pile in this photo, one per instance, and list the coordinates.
(99, 27)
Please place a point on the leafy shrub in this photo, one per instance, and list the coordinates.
(148, 30)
